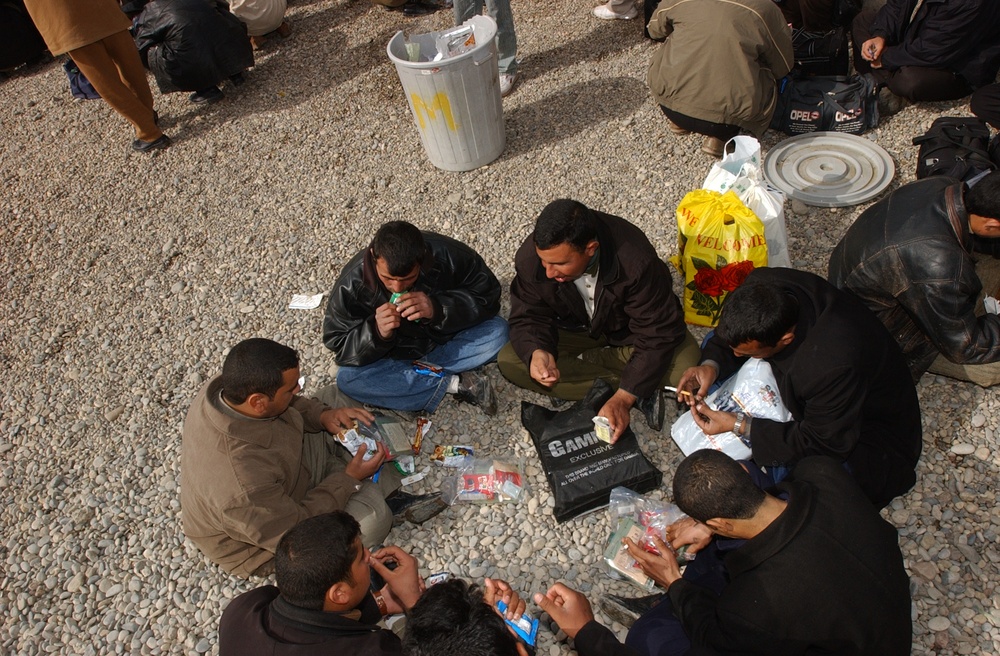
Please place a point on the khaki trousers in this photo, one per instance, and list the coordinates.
(582, 360)
(985, 375)
(113, 66)
(323, 455)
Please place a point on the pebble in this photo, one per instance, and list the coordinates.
(938, 624)
(962, 449)
(135, 274)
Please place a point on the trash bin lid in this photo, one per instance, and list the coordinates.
(829, 169)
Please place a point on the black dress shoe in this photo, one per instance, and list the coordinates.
(237, 79)
(414, 508)
(626, 610)
(207, 96)
(415, 8)
(653, 409)
(146, 146)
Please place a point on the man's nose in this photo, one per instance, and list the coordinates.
(396, 286)
(550, 271)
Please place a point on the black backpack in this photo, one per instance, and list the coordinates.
(826, 103)
(958, 147)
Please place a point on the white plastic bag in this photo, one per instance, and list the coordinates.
(740, 171)
(752, 389)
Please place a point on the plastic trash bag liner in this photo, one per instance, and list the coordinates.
(580, 468)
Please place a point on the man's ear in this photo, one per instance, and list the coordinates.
(787, 338)
(258, 401)
(721, 526)
(591, 248)
(338, 594)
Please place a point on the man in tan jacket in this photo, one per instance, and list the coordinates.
(255, 462)
(95, 34)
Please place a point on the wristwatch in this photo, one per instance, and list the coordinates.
(382, 608)
(738, 426)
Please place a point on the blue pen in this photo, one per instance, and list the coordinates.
(379, 471)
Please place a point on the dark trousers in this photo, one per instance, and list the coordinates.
(811, 15)
(915, 83)
(985, 104)
(720, 131)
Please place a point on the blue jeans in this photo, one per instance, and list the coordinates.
(506, 38)
(389, 383)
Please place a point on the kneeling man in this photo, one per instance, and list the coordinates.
(923, 258)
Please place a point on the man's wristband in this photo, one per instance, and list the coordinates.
(738, 425)
(382, 608)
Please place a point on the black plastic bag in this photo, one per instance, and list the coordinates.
(580, 468)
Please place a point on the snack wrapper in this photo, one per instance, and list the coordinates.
(524, 627)
(352, 441)
(619, 559)
(486, 480)
(452, 456)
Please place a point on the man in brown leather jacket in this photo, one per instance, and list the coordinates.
(923, 259)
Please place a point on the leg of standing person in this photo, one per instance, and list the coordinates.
(389, 383)
(506, 36)
(113, 66)
(616, 9)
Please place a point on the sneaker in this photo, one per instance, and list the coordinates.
(676, 129)
(604, 12)
(141, 146)
(414, 508)
(474, 387)
(653, 409)
(507, 81)
(714, 147)
(626, 610)
(207, 96)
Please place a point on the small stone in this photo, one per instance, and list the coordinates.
(983, 453)
(926, 570)
(76, 583)
(114, 413)
(962, 449)
(978, 421)
(939, 624)
(798, 207)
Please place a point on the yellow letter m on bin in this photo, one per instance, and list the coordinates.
(439, 104)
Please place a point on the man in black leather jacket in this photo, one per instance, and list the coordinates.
(414, 317)
(920, 259)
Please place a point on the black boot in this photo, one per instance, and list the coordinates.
(414, 508)
(652, 408)
(626, 610)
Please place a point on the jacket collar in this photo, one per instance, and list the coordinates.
(958, 216)
(609, 270)
(361, 620)
(780, 532)
(232, 424)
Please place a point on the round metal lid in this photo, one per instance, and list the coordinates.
(829, 169)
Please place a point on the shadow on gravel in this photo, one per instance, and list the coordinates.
(606, 39)
(570, 111)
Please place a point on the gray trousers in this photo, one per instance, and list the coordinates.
(324, 455)
(985, 375)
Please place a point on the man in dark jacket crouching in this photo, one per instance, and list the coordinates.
(923, 259)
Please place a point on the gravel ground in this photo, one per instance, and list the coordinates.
(127, 276)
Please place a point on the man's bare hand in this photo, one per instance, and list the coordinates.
(663, 569)
(500, 590)
(403, 585)
(696, 380)
(336, 419)
(567, 607)
(543, 368)
(616, 411)
(690, 533)
(712, 422)
(415, 305)
(387, 320)
(359, 470)
(872, 49)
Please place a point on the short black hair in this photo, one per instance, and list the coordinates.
(708, 484)
(255, 366)
(757, 311)
(315, 554)
(401, 245)
(984, 197)
(452, 618)
(565, 221)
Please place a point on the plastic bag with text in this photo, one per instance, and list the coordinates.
(740, 171)
(753, 390)
(720, 241)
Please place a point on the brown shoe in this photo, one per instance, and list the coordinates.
(714, 147)
(676, 129)
(257, 42)
(284, 30)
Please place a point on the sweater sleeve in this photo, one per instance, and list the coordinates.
(595, 639)
(941, 39)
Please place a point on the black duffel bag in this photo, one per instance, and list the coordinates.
(581, 469)
(957, 147)
(826, 104)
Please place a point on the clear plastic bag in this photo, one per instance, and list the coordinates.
(486, 480)
(651, 516)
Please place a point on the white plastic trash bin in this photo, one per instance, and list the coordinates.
(455, 101)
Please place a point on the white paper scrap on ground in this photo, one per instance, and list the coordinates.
(305, 301)
(991, 305)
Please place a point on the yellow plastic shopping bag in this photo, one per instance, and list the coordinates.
(720, 241)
